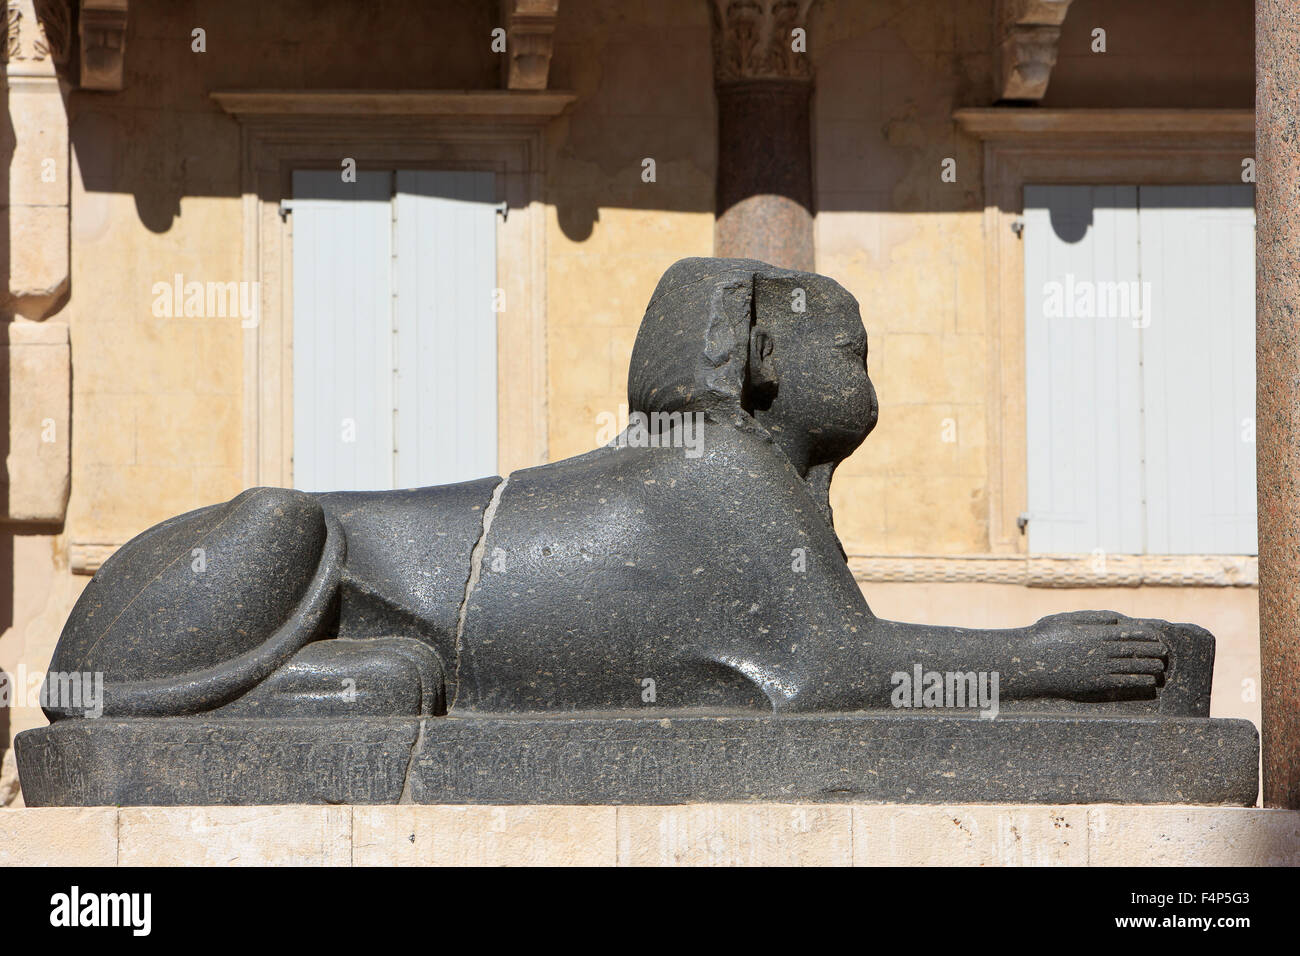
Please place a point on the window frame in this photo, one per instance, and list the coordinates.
(493, 131)
(1074, 147)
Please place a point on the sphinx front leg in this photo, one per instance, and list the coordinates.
(1085, 655)
(1094, 656)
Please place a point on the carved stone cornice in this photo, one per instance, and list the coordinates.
(489, 105)
(1010, 124)
(1029, 31)
(753, 40)
(530, 35)
(103, 43)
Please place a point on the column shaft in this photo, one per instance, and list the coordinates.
(1277, 316)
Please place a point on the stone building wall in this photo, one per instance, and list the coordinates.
(644, 78)
(155, 193)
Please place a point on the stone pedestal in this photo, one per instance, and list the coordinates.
(661, 759)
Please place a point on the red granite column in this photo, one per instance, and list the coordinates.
(764, 86)
(1277, 396)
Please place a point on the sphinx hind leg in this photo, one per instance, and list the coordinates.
(374, 677)
(198, 610)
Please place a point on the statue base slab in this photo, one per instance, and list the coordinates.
(864, 757)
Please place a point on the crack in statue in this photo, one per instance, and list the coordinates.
(566, 587)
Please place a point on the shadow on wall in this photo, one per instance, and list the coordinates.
(97, 141)
(1193, 53)
(888, 79)
(6, 619)
(162, 138)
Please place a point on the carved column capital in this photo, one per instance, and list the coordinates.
(55, 17)
(34, 237)
(103, 43)
(764, 86)
(530, 35)
(1029, 31)
(35, 38)
(754, 40)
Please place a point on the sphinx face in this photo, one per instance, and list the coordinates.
(824, 391)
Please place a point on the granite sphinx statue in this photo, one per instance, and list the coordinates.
(687, 570)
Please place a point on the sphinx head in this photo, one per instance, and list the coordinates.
(743, 341)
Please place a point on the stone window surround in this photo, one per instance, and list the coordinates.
(1084, 146)
(497, 131)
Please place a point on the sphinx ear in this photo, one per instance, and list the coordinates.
(763, 374)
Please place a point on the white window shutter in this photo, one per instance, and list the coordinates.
(395, 345)
(1083, 380)
(1197, 254)
(342, 331)
(446, 327)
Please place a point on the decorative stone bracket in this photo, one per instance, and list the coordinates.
(1029, 31)
(103, 43)
(530, 35)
